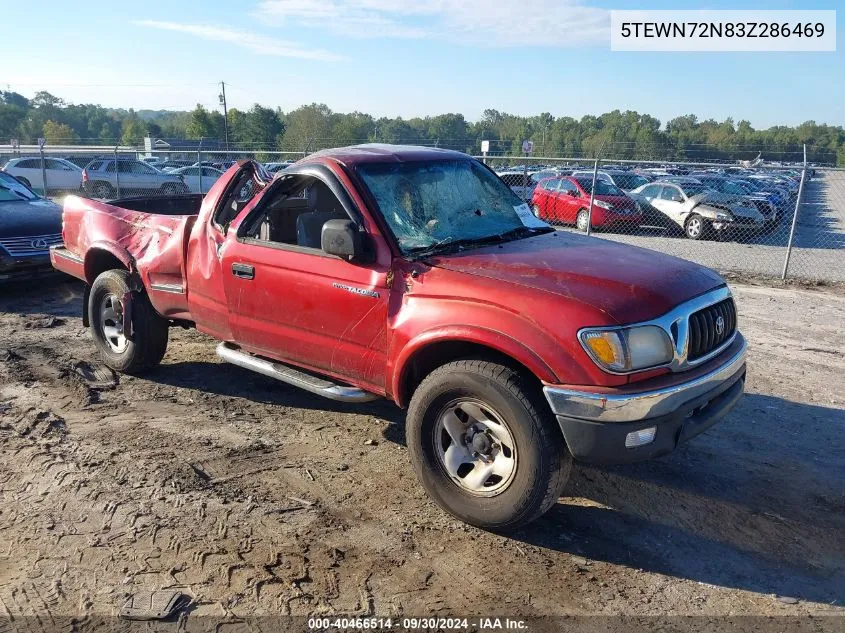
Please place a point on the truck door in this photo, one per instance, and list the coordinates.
(205, 275)
(291, 301)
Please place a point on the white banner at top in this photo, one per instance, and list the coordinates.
(704, 30)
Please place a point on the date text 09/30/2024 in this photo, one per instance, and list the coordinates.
(416, 624)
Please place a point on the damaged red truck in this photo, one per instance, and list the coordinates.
(416, 275)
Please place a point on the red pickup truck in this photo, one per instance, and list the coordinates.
(416, 275)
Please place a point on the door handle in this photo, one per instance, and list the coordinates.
(243, 271)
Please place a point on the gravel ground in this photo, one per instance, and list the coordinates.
(256, 498)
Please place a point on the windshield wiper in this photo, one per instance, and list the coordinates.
(447, 245)
(525, 231)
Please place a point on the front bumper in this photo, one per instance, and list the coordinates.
(595, 424)
(25, 268)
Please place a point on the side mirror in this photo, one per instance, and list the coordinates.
(343, 239)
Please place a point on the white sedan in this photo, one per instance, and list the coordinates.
(62, 175)
(195, 182)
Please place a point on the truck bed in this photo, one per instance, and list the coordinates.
(186, 204)
(147, 234)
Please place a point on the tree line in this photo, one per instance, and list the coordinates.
(615, 135)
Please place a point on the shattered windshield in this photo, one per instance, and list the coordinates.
(429, 204)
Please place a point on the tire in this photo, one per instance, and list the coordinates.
(148, 343)
(695, 227)
(102, 190)
(536, 211)
(540, 461)
(582, 219)
(172, 189)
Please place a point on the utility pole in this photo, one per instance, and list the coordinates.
(225, 113)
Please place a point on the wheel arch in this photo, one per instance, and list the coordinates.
(431, 350)
(101, 257)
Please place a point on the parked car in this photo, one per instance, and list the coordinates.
(779, 196)
(624, 179)
(688, 204)
(154, 161)
(402, 283)
(100, 179)
(29, 226)
(191, 176)
(277, 167)
(519, 182)
(170, 165)
(62, 175)
(733, 188)
(567, 201)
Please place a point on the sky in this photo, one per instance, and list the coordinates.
(404, 58)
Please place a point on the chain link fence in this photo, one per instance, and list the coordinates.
(770, 220)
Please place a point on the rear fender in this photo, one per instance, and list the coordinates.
(97, 250)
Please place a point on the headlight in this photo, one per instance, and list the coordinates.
(602, 204)
(723, 217)
(627, 349)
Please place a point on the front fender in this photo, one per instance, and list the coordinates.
(485, 337)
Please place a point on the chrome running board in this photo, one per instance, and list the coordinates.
(320, 386)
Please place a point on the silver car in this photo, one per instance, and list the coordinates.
(104, 177)
(696, 209)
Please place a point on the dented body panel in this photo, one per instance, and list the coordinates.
(366, 323)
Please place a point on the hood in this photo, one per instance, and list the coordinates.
(34, 217)
(737, 205)
(619, 202)
(628, 283)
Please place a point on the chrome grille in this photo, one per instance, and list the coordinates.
(30, 244)
(704, 332)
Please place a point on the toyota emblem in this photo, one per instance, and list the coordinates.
(39, 244)
(720, 325)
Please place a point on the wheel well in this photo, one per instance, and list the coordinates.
(99, 261)
(429, 358)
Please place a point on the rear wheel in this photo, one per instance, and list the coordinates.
(172, 189)
(695, 227)
(582, 220)
(485, 446)
(110, 300)
(102, 190)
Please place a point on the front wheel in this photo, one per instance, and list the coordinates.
(485, 446)
(110, 300)
(695, 227)
(582, 220)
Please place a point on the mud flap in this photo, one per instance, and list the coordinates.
(126, 301)
(86, 322)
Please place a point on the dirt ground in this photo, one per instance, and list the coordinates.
(258, 498)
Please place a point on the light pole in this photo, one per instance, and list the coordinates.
(225, 113)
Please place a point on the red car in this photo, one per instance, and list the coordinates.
(416, 275)
(566, 201)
